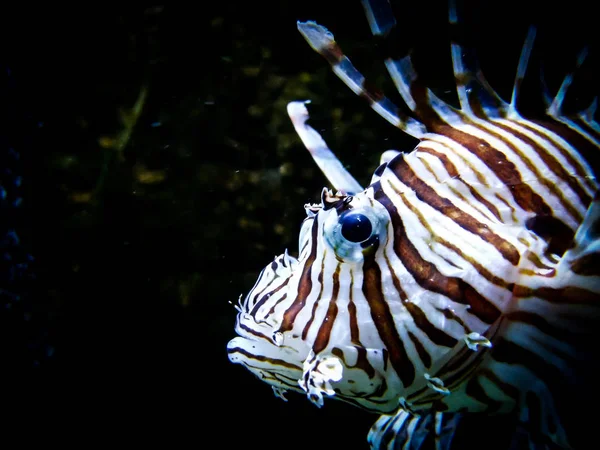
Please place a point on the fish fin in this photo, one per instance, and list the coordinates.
(547, 343)
(583, 258)
(413, 432)
(453, 431)
(323, 42)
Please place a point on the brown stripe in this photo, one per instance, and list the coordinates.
(462, 364)
(513, 216)
(370, 92)
(552, 187)
(508, 352)
(474, 390)
(272, 361)
(272, 309)
(450, 186)
(489, 276)
(317, 300)
(585, 125)
(423, 353)
(395, 280)
(354, 330)
(423, 109)
(436, 335)
(507, 389)
(362, 361)
(482, 270)
(384, 321)
(584, 147)
(428, 195)
(427, 275)
(587, 265)
(325, 330)
(568, 295)
(304, 246)
(267, 296)
(490, 206)
(453, 172)
(550, 161)
(564, 335)
(255, 333)
(451, 315)
(304, 285)
(332, 53)
(537, 262)
(255, 295)
(497, 162)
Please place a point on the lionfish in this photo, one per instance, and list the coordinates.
(462, 283)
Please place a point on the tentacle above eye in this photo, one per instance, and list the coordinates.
(329, 164)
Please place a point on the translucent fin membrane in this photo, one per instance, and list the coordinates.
(322, 41)
(406, 431)
(583, 122)
(380, 18)
(522, 68)
(475, 94)
(461, 74)
(587, 115)
(586, 244)
(555, 107)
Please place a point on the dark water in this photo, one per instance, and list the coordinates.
(160, 174)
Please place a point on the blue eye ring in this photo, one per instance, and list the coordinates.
(355, 227)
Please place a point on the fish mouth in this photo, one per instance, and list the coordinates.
(268, 363)
(286, 360)
(260, 346)
(260, 314)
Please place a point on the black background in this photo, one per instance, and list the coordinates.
(130, 303)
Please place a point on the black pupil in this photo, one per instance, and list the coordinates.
(356, 227)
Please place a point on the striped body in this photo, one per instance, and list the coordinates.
(460, 280)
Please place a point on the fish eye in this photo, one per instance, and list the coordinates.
(355, 231)
(355, 227)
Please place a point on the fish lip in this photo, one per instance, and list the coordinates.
(254, 324)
